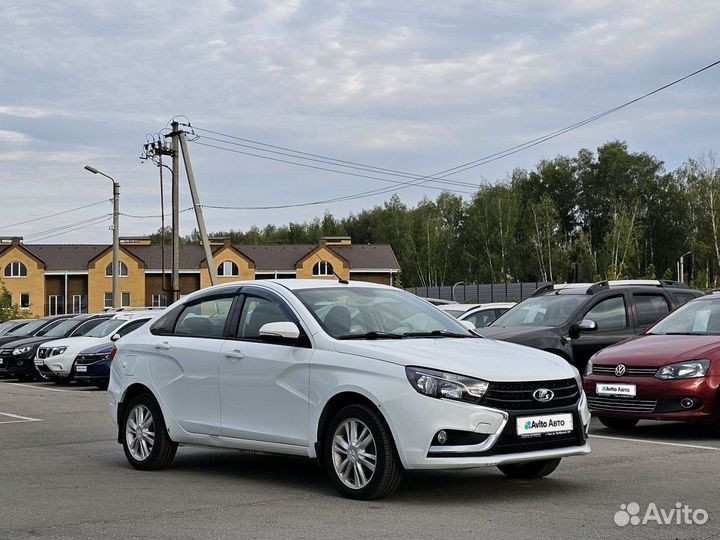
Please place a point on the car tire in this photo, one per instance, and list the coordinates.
(618, 423)
(150, 448)
(530, 469)
(358, 442)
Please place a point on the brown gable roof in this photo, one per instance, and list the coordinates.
(268, 258)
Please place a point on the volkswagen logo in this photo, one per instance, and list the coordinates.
(620, 370)
(543, 395)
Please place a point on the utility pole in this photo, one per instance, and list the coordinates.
(198, 210)
(116, 237)
(175, 211)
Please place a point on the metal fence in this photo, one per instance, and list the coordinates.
(480, 292)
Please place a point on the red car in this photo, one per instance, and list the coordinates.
(671, 372)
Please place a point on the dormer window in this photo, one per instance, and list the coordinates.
(323, 268)
(228, 269)
(123, 269)
(16, 269)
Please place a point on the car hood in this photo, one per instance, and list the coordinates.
(11, 339)
(105, 348)
(514, 333)
(26, 341)
(484, 358)
(656, 351)
(77, 344)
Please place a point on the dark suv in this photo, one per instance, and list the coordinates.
(576, 320)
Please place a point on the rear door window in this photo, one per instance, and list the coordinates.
(650, 308)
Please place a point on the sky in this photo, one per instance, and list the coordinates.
(417, 87)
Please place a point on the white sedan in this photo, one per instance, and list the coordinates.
(368, 379)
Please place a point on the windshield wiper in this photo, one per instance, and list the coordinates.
(372, 335)
(436, 333)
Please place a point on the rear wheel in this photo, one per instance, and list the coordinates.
(145, 440)
(531, 469)
(618, 423)
(360, 455)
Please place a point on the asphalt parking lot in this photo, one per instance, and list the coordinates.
(63, 475)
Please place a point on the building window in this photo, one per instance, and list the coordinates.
(125, 299)
(322, 268)
(123, 269)
(25, 300)
(228, 268)
(159, 300)
(77, 304)
(108, 300)
(16, 269)
(54, 304)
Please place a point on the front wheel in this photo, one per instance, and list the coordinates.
(360, 455)
(618, 423)
(531, 469)
(145, 440)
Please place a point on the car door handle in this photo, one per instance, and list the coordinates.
(235, 355)
(164, 345)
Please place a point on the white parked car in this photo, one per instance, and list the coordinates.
(55, 360)
(368, 379)
(483, 314)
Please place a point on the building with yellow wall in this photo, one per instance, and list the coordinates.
(49, 279)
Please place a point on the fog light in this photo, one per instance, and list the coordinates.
(442, 437)
(687, 403)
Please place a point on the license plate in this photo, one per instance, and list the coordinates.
(612, 389)
(528, 426)
(80, 369)
(39, 361)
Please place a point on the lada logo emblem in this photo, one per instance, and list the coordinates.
(543, 394)
(620, 370)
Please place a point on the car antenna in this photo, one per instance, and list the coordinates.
(340, 280)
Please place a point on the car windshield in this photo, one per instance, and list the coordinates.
(701, 317)
(106, 328)
(377, 313)
(545, 310)
(62, 329)
(29, 328)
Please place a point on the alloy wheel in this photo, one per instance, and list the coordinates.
(140, 432)
(354, 453)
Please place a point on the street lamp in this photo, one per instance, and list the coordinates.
(682, 266)
(116, 236)
(452, 291)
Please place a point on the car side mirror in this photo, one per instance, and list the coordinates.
(284, 330)
(468, 325)
(115, 337)
(587, 325)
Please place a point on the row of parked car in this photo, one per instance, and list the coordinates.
(62, 348)
(647, 349)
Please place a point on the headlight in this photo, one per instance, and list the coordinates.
(439, 384)
(589, 368)
(691, 369)
(22, 350)
(57, 350)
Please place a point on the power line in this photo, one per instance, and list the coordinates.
(297, 154)
(66, 226)
(447, 172)
(153, 216)
(55, 214)
(85, 226)
(316, 167)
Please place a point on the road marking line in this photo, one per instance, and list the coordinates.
(18, 419)
(657, 442)
(39, 387)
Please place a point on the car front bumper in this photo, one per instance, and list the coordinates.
(656, 399)
(98, 371)
(16, 366)
(415, 421)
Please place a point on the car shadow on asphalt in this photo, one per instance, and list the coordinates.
(423, 487)
(676, 432)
